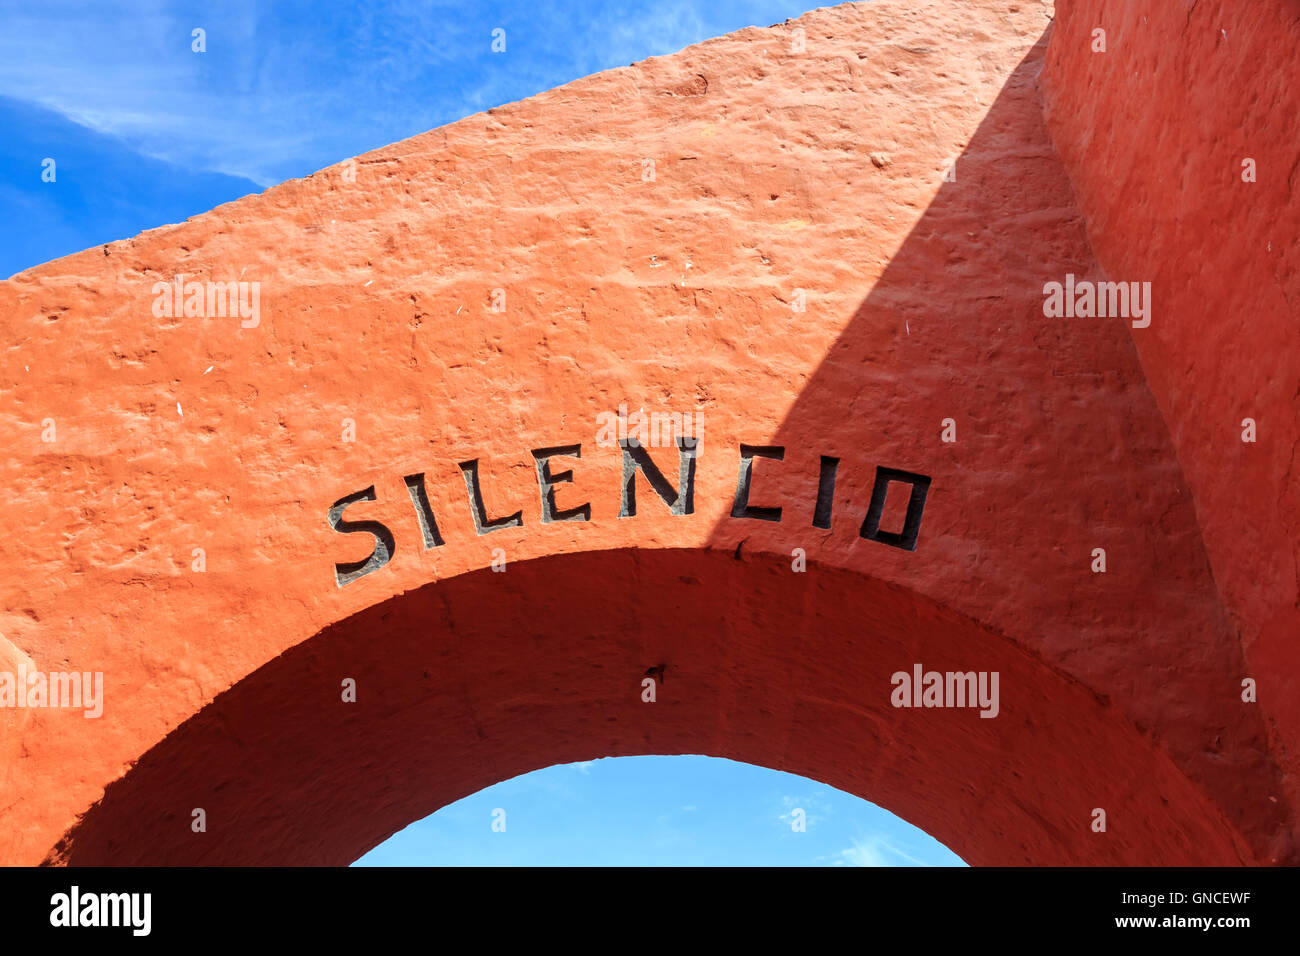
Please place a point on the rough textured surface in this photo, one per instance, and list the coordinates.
(492, 675)
(1223, 255)
(1119, 690)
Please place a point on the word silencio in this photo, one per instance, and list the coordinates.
(680, 499)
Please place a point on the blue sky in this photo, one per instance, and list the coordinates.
(661, 811)
(146, 132)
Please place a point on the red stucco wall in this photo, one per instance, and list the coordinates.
(1154, 133)
(777, 169)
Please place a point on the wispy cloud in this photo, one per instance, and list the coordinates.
(662, 28)
(267, 99)
(875, 852)
(277, 94)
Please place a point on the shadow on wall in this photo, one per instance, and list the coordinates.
(1060, 449)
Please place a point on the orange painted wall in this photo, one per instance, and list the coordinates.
(820, 170)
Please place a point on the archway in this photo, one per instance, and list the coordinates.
(488, 675)
(435, 363)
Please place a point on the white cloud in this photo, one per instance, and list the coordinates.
(276, 96)
(266, 95)
(665, 28)
(876, 851)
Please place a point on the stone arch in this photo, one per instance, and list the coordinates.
(478, 295)
(487, 675)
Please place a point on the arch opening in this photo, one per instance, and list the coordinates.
(473, 680)
(660, 811)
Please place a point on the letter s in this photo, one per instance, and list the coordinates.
(383, 552)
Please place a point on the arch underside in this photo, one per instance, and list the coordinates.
(466, 682)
